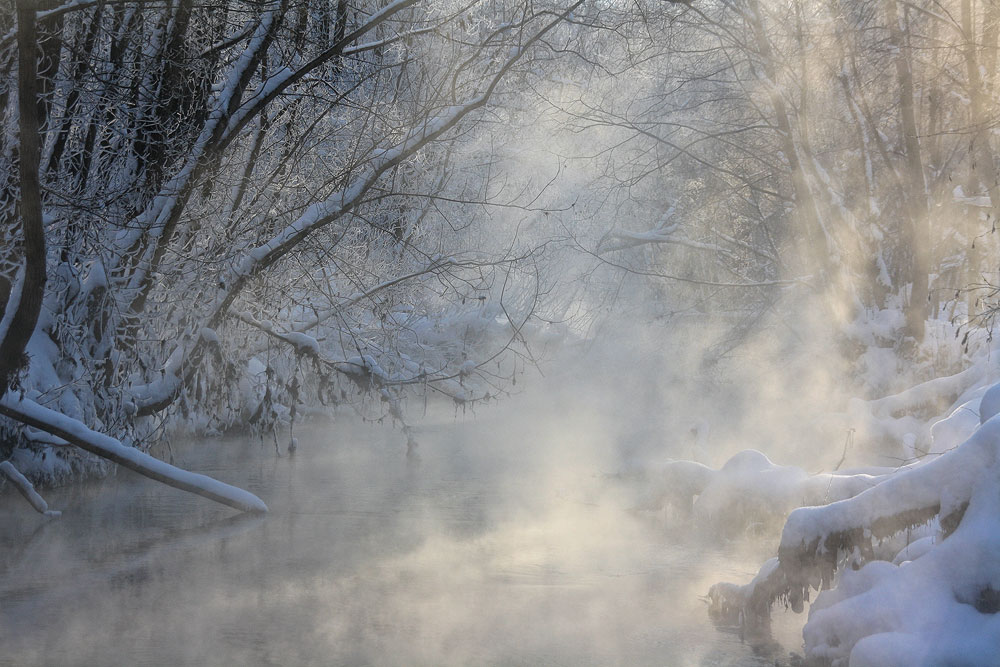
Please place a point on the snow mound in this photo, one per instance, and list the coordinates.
(989, 406)
(747, 491)
(956, 428)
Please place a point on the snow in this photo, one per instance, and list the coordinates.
(748, 489)
(927, 594)
(956, 428)
(209, 335)
(911, 551)
(912, 488)
(97, 277)
(989, 405)
(921, 612)
(367, 365)
(12, 303)
(303, 342)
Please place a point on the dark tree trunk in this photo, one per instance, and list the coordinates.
(29, 302)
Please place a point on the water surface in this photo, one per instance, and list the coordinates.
(502, 545)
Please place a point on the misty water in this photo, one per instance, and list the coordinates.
(505, 543)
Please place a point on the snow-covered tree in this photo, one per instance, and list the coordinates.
(217, 213)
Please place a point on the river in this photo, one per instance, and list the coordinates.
(504, 544)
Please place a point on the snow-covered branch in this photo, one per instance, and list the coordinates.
(321, 215)
(942, 389)
(817, 540)
(27, 489)
(747, 489)
(75, 432)
(664, 232)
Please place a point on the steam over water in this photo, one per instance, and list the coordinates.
(504, 544)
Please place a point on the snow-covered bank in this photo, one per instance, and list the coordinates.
(936, 606)
(905, 559)
(941, 607)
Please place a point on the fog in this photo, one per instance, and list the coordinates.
(523, 255)
(508, 541)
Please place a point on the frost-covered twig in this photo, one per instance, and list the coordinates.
(624, 266)
(27, 489)
(665, 233)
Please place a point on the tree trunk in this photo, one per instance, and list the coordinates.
(17, 330)
(917, 233)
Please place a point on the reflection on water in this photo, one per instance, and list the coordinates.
(499, 547)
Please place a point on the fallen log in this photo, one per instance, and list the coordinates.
(78, 434)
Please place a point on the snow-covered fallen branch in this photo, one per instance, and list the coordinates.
(938, 390)
(747, 489)
(814, 538)
(938, 606)
(27, 489)
(75, 432)
(936, 602)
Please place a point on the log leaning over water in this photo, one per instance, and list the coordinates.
(27, 490)
(78, 434)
